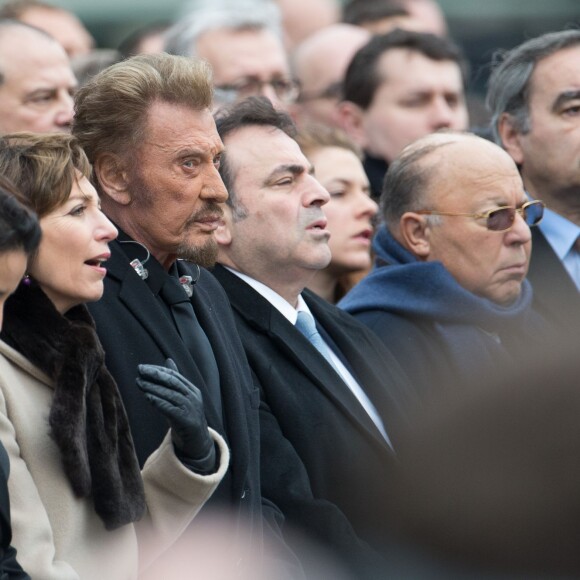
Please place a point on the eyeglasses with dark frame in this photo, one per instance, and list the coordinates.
(501, 218)
(286, 89)
(332, 92)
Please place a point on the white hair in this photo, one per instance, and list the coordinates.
(199, 16)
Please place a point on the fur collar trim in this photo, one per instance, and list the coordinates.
(87, 419)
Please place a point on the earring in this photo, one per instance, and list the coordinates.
(26, 280)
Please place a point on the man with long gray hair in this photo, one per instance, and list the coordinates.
(534, 98)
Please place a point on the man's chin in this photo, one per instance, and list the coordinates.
(508, 297)
(204, 255)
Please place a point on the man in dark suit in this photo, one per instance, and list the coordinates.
(534, 99)
(335, 402)
(148, 130)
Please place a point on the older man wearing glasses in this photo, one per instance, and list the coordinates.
(533, 96)
(448, 294)
(242, 41)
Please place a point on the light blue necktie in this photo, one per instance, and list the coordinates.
(306, 325)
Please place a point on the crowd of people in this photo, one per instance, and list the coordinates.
(272, 305)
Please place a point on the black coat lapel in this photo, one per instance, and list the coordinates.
(320, 372)
(137, 298)
(375, 367)
(547, 272)
(263, 317)
(228, 362)
(555, 294)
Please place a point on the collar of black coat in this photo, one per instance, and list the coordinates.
(134, 250)
(375, 168)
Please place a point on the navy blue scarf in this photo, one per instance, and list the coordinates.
(427, 291)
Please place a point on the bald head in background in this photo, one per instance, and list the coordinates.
(302, 18)
(428, 16)
(36, 81)
(319, 64)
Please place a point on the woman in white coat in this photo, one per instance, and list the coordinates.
(81, 508)
(19, 239)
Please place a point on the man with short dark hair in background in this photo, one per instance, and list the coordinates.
(399, 87)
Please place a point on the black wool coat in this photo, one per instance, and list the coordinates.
(347, 459)
(134, 329)
(556, 297)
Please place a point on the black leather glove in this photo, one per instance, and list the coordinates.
(182, 403)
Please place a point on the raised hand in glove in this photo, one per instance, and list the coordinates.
(182, 403)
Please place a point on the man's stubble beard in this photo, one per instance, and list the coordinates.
(204, 255)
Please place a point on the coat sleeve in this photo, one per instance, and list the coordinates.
(174, 496)
(8, 563)
(33, 534)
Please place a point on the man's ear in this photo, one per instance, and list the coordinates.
(223, 233)
(414, 233)
(352, 121)
(510, 137)
(111, 173)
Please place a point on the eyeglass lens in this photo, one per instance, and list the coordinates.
(503, 218)
(284, 89)
(533, 213)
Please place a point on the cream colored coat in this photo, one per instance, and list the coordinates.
(59, 536)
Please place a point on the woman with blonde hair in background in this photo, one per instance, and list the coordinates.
(81, 508)
(350, 211)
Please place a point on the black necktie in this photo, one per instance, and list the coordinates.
(193, 337)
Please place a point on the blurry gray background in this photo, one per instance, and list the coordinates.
(479, 26)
